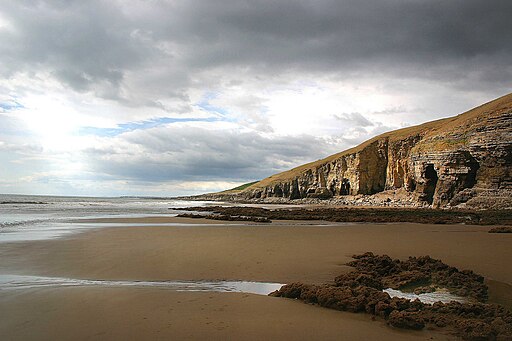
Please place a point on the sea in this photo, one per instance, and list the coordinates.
(35, 217)
(32, 217)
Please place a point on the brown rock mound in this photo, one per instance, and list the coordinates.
(374, 215)
(501, 229)
(361, 291)
(421, 272)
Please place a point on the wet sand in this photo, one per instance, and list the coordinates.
(280, 252)
(131, 314)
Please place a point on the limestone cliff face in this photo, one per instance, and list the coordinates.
(454, 161)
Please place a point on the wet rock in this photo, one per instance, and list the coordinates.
(292, 290)
(358, 299)
(475, 330)
(376, 265)
(225, 217)
(425, 289)
(346, 214)
(355, 279)
(361, 291)
(501, 229)
(421, 272)
(406, 320)
(406, 279)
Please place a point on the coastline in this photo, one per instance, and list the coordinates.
(259, 213)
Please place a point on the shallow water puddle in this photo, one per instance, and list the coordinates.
(428, 298)
(10, 282)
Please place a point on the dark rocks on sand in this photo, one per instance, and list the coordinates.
(421, 272)
(406, 320)
(501, 229)
(361, 291)
(225, 217)
(375, 215)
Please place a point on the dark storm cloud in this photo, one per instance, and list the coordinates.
(80, 43)
(334, 33)
(89, 44)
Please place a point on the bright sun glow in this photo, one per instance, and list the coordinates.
(53, 121)
(4, 23)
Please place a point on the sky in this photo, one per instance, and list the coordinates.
(163, 98)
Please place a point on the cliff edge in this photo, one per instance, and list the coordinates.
(462, 161)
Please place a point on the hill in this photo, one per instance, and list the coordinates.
(457, 161)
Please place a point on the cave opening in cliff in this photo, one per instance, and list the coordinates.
(345, 187)
(430, 182)
(470, 180)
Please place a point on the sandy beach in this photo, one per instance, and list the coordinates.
(192, 249)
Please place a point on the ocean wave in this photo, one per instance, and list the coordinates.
(23, 203)
(18, 223)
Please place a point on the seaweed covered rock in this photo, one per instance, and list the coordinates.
(406, 320)
(353, 214)
(425, 272)
(501, 229)
(354, 279)
(292, 290)
(361, 291)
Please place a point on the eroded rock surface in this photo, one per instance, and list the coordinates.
(353, 214)
(501, 229)
(361, 291)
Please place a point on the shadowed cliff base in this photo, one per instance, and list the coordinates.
(461, 161)
(362, 291)
(351, 214)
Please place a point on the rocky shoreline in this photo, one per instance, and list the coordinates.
(352, 214)
(224, 217)
(399, 198)
(501, 229)
(463, 162)
(396, 198)
(362, 291)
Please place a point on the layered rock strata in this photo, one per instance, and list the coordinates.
(459, 161)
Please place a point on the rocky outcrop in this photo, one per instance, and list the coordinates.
(461, 161)
(360, 291)
(417, 272)
(352, 214)
(501, 229)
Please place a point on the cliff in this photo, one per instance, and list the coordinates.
(464, 160)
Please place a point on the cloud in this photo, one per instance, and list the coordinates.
(29, 149)
(356, 117)
(161, 92)
(113, 45)
(175, 153)
(71, 39)
(175, 158)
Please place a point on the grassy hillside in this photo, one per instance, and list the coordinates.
(240, 188)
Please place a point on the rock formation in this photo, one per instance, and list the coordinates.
(360, 291)
(460, 161)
